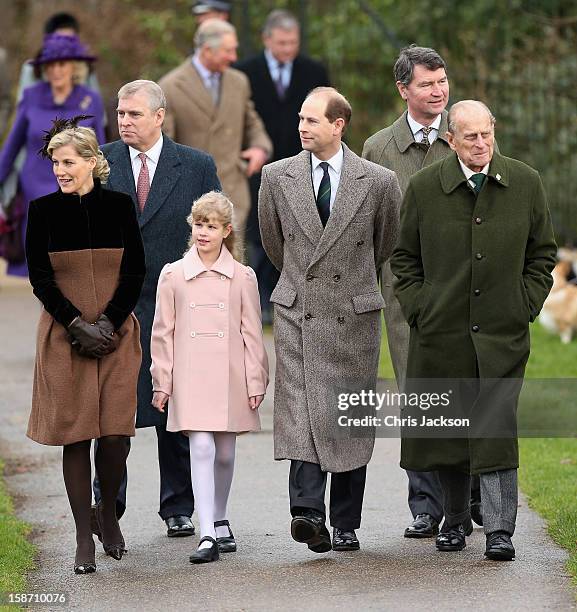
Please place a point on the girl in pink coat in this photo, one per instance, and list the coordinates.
(209, 361)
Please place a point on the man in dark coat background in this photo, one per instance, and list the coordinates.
(163, 178)
(473, 266)
(280, 78)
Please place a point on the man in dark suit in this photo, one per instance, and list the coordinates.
(163, 178)
(280, 80)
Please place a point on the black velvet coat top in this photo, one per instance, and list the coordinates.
(101, 219)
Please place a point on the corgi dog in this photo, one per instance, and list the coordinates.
(559, 313)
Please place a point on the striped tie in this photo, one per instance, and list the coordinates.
(324, 195)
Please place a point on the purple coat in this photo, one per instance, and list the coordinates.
(35, 113)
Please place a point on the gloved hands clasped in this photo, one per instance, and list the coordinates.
(93, 340)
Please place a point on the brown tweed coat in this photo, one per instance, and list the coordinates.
(327, 302)
(223, 131)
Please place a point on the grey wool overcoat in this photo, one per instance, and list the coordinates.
(472, 272)
(327, 302)
(182, 175)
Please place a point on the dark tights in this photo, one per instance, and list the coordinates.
(110, 462)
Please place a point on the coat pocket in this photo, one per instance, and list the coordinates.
(525, 297)
(283, 295)
(424, 299)
(367, 302)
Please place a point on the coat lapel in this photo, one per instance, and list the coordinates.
(166, 176)
(297, 186)
(352, 191)
(192, 86)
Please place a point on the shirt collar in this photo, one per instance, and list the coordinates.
(193, 265)
(468, 172)
(335, 162)
(153, 153)
(204, 72)
(272, 61)
(416, 126)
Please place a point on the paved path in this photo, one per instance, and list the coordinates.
(270, 571)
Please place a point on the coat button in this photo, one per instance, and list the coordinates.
(192, 304)
(221, 334)
(475, 328)
(221, 305)
(337, 278)
(223, 278)
(341, 320)
(291, 236)
(478, 220)
(310, 277)
(308, 316)
(192, 334)
(478, 256)
(360, 243)
(477, 292)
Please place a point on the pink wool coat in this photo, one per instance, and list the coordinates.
(207, 348)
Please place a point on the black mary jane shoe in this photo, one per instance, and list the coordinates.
(227, 543)
(345, 539)
(205, 555)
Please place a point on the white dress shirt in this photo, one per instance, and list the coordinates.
(335, 166)
(274, 69)
(152, 156)
(417, 129)
(469, 173)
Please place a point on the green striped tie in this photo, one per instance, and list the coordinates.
(324, 195)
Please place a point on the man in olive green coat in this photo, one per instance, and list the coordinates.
(473, 267)
(415, 140)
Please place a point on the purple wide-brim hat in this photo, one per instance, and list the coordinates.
(59, 48)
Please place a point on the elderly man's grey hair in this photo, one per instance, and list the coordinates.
(458, 106)
(211, 32)
(155, 95)
(280, 19)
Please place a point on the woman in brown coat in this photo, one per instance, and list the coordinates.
(86, 263)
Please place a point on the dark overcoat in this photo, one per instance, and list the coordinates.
(182, 175)
(327, 319)
(472, 272)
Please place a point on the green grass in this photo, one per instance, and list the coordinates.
(548, 466)
(16, 553)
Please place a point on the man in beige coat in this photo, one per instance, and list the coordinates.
(415, 140)
(210, 108)
(328, 220)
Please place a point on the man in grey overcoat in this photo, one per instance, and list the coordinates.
(473, 266)
(415, 140)
(328, 220)
(164, 179)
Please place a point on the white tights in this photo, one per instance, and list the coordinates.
(211, 471)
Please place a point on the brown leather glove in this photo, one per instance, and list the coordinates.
(89, 340)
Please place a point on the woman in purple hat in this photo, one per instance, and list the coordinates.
(61, 62)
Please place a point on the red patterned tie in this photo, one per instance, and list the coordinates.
(143, 185)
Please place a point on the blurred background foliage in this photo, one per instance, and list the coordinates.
(517, 56)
